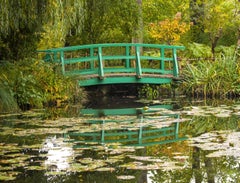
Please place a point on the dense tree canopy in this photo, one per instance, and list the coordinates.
(26, 22)
(27, 25)
(106, 21)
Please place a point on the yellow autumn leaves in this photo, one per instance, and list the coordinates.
(168, 31)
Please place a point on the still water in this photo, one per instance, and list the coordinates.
(124, 141)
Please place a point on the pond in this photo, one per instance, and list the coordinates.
(124, 141)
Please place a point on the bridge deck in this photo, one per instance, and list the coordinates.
(90, 76)
(121, 78)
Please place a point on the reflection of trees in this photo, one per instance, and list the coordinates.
(203, 124)
(208, 169)
(209, 164)
(201, 167)
(214, 170)
(197, 170)
(196, 165)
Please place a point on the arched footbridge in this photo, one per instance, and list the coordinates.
(117, 63)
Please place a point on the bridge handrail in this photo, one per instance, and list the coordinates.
(94, 52)
(88, 46)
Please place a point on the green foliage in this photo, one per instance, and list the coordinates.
(64, 17)
(23, 23)
(158, 10)
(214, 20)
(35, 83)
(106, 21)
(196, 50)
(7, 101)
(169, 31)
(151, 92)
(213, 78)
(20, 22)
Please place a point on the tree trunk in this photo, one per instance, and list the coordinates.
(196, 13)
(214, 41)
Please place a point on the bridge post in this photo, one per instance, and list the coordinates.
(175, 63)
(62, 61)
(162, 65)
(55, 56)
(176, 130)
(138, 63)
(100, 64)
(91, 55)
(102, 132)
(127, 52)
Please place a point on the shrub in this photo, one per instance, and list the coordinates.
(213, 78)
(34, 83)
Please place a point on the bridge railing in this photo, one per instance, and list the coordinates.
(101, 59)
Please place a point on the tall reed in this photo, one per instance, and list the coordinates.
(213, 78)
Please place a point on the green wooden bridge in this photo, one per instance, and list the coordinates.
(117, 63)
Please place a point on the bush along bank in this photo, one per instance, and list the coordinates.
(32, 83)
(213, 78)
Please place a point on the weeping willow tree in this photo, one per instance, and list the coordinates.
(106, 21)
(20, 22)
(63, 17)
(27, 24)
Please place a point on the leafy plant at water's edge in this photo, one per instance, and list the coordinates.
(34, 83)
(212, 78)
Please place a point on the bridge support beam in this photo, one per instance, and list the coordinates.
(100, 63)
(124, 80)
(175, 63)
(138, 63)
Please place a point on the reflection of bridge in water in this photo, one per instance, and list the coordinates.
(152, 126)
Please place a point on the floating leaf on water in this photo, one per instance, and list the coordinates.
(181, 157)
(86, 160)
(53, 173)
(36, 168)
(6, 177)
(78, 167)
(146, 167)
(112, 160)
(223, 115)
(105, 169)
(146, 158)
(216, 154)
(10, 147)
(125, 177)
(123, 150)
(32, 146)
(171, 167)
(117, 157)
(16, 160)
(132, 164)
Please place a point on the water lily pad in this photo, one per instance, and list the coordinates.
(49, 173)
(146, 158)
(132, 165)
(125, 177)
(6, 177)
(223, 115)
(86, 160)
(36, 168)
(78, 167)
(105, 169)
